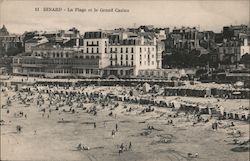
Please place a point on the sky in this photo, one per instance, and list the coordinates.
(20, 15)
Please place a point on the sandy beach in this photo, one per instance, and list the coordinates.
(55, 134)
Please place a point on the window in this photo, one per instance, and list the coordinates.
(140, 50)
(92, 57)
(111, 63)
(111, 50)
(152, 49)
(140, 56)
(87, 71)
(57, 55)
(126, 57)
(92, 50)
(121, 57)
(121, 50)
(67, 55)
(121, 63)
(132, 50)
(97, 50)
(140, 62)
(87, 57)
(105, 49)
(97, 57)
(126, 50)
(87, 43)
(126, 63)
(152, 55)
(87, 50)
(152, 62)
(132, 57)
(97, 43)
(132, 63)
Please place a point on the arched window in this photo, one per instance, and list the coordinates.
(87, 57)
(92, 57)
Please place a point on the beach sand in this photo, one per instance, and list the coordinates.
(57, 139)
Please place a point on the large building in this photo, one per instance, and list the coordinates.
(101, 54)
(10, 44)
(229, 51)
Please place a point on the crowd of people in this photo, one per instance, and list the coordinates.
(56, 101)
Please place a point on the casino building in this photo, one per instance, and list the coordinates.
(102, 54)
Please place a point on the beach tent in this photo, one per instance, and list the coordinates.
(239, 84)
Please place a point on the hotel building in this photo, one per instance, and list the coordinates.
(102, 54)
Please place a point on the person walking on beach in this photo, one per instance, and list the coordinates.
(116, 127)
(113, 133)
(130, 146)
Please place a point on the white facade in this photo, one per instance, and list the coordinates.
(245, 48)
(137, 56)
(97, 47)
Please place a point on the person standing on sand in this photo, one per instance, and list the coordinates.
(113, 133)
(130, 146)
(116, 127)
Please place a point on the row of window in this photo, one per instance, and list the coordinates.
(76, 71)
(54, 55)
(93, 43)
(132, 57)
(87, 57)
(59, 62)
(121, 63)
(92, 50)
(127, 50)
(145, 63)
(145, 56)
